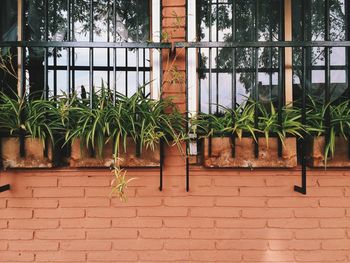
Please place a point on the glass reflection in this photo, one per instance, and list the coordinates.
(8, 32)
(130, 22)
(313, 12)
(241, 21)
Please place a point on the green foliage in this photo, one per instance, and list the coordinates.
(35, 118)
(145, 120)
(242, 121)
(227, 122)
(339, 125)
(11, 114)
(288, 124)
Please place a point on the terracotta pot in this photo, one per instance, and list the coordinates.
(221, 156)
(81, 157)
(34, 153)
(316, 153)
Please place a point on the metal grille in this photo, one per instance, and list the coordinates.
(222, 21)
(72, 45)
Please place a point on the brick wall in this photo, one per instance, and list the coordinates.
(243, 216)
(228, 215)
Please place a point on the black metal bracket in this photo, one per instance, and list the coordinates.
(161, 165)
(187, 168)
(5, 188)
(301, 189)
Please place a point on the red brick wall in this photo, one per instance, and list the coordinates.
(228, 216)
(67, 215)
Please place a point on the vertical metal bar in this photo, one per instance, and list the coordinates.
(187, 132)
(54, 53)
(234, 88)
(91, 66)
(137, 50)
(327, 74)
(73, 49)
(200, 71)
(126, 72)
(22, 51)
(91, 54)
(46, 51)
(256, 86)
(210, 75)
(68, 49)
(288, 53)
(45, 91)
(281, 86)
(217, 57)
(114, 53)
(161, 165)
(187, 108)
(302, 189)
(21, 93)
(138, 144)
(144, 70)
(108, 49)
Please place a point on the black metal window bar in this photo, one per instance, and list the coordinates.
(56, 55)
(212, 13)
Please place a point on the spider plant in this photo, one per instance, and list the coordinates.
(144, 120)
(289, 124)
(339, 123)
(12, 111)
(228, 122)
(90, 124)
(37, 119)
(147, 121)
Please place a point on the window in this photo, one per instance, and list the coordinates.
(68, 44)
(236, 57)
(327, 69)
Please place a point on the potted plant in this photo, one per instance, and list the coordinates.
(328, 146)
(130, 129)
(236, 128)
(27, 127)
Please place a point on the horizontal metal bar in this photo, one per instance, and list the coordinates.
(262, 44)
(98, 68)
(58, 44)
(267, 70)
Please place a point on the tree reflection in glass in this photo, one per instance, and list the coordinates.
(234, 20)
(132, 24)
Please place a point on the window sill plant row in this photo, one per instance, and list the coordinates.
(131, 129)
(128, 130)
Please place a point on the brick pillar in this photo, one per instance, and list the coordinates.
(174, 74)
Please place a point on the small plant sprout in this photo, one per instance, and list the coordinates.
(119, 183)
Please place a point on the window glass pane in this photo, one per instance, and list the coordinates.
(241, 21)
(8, 20)
(132, 24)
(309, 20)
(8, 32)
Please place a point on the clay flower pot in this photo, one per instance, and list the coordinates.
(34, 153)
(81, 157)
(316, 156)
(221, 153)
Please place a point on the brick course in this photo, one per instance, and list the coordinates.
(272, 225)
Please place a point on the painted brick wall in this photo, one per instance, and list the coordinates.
(228, 216)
